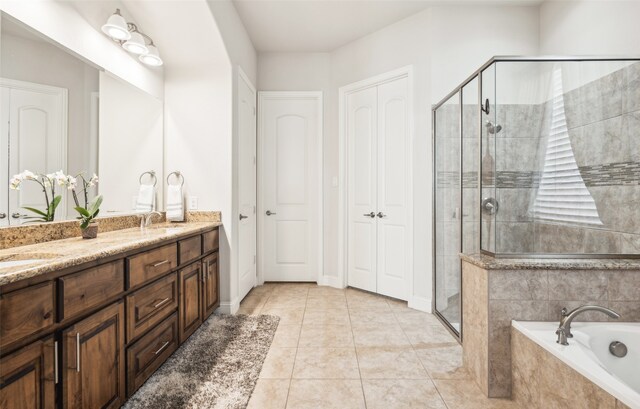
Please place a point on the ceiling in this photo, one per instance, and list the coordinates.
(324, 25)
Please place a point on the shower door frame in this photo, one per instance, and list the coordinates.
(458, 90)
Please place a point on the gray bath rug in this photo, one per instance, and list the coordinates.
(217, 367)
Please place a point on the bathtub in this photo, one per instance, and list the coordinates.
(588, 354)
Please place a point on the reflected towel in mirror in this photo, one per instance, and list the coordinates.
(146, 199)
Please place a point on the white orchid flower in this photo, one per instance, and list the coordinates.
(15, 182)
(29, 175)
(94, 180)
(71, 182)
(60, 178)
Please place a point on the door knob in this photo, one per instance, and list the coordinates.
(381, 215)
(372, 215)
(3, 215)
(242, 216)
(16, 215)
(269, 213)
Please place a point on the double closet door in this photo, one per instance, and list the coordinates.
(379, 232)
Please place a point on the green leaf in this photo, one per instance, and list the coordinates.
(34, 210)
(82, 211)
(94, 206)
(85, 224)
(96, 213)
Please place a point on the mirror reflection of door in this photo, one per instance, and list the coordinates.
(34, 137)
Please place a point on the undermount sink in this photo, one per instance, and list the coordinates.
(15, 260)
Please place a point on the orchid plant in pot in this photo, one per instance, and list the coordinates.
(91, 209)
(48, 183)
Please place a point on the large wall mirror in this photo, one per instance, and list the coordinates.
(59, 112)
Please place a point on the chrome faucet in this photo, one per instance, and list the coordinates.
(145, 219)
(564, 330)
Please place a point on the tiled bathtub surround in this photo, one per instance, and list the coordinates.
(494, 293)
(541, 381)
(42, 232)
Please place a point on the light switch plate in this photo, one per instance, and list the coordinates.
(193, 202)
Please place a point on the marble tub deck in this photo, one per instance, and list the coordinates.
(74, 251)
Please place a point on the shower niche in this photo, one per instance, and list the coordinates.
(535, 158)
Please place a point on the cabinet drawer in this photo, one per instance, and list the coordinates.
(25, 312)
(210, 241)
(150, 351)
(190, 249)
(90, 288)
(144, 267)
(149, 305)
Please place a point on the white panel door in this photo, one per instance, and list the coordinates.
(37, 139)
(291, 154)
(393, 191)
(362, 123)
(246, 186)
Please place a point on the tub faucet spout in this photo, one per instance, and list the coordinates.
(564, 330)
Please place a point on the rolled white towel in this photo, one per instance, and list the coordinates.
(146, 199)
(175, 203)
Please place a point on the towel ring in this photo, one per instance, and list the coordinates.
(151, 173)
(178, 175)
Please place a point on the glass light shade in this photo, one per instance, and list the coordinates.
(136, 44)
(152, 57)
(116, 28)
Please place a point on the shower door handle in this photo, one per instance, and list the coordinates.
(381, 215)
(372, 215)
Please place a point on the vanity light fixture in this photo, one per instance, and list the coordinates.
(132, 39)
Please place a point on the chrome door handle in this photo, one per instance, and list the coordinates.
(16, 215)
(161, 348)
(381, 215)
(269, 213)
(77, 352)
(242, 216)
(372, 215)
(55, 362)
(3, 215)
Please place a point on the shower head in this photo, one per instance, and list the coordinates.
(493, 129)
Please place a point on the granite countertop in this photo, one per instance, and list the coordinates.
(493, 263)
(59, 254)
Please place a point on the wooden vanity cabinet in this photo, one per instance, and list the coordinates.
(93, 361)
(210, 287)
(27, 377)
(90, 336)
(190, 300)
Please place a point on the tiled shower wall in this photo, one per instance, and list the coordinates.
(603, 118)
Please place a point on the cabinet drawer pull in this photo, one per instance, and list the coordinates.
(77, 352)
(158, 264)
(161, 348)
(166, 300)
(55, 362)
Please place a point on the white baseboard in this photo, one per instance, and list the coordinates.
(420, 303)
(229, 307)
(330, 281)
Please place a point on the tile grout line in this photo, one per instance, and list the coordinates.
(353, 336)
(295, 357)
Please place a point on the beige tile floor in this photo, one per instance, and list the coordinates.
(352, 349)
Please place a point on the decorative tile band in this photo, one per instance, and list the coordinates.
(613, 174)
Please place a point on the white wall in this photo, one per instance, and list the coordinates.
(444, 45)
(61, 22)
(242, 56)
(583, 27)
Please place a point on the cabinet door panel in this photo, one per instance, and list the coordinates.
(25, 312)
(94, 372)
(151, 304)
(210, 287)
(27, 377)
(190, 309)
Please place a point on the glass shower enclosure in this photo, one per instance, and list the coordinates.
(535, 157)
